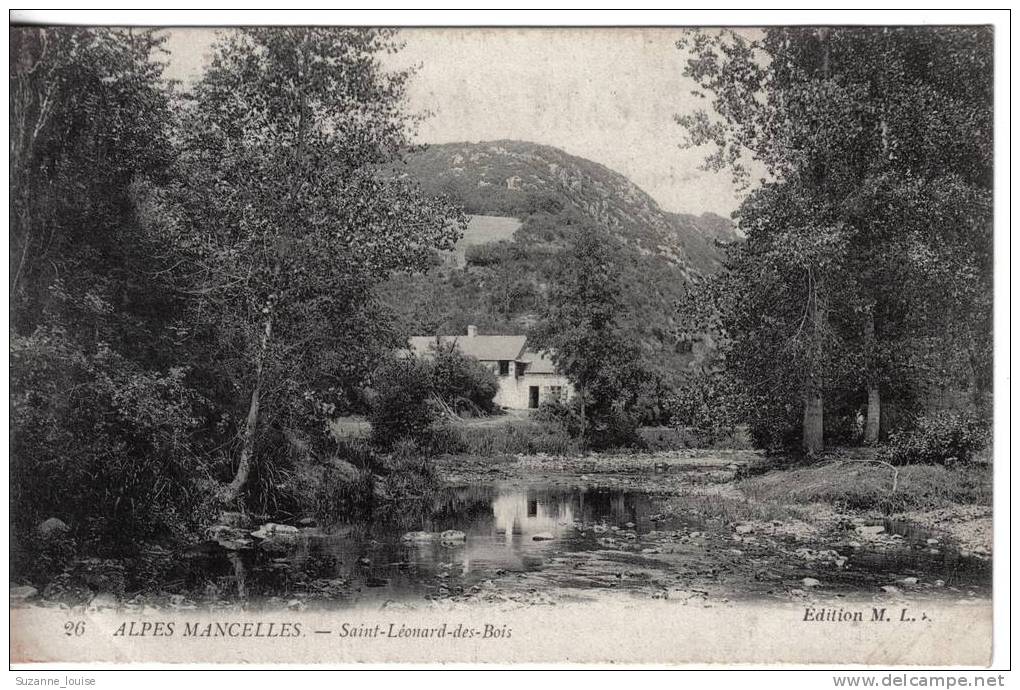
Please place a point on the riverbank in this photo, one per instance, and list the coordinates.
(739, 486)
(704, 528)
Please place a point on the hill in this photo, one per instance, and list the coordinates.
(517, 179)
(526, 201)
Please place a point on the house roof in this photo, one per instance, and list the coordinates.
(538, 362)
(481, 347)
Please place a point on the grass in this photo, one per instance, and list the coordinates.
(735, 508)
(865, 486)
(516, 437)
(665, 438)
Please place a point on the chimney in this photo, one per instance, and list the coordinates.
(472, 331)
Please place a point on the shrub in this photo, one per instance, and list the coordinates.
(403, 406)
(463, 383)
(100, 443)
(606, 424)
(705, 404)
(941, 438)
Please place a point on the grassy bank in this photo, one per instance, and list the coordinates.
(860, 486)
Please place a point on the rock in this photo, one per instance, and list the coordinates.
(365, 560)
(855, 545)
(810, 582)
(543, 536)
(23, 592)
(179, 601)
(652, 550)
(418, 537)
(908, 581)
(629, 525)
(225, 532)
(51, 527)
(103, 601)
(235, 544)
(939, 583)
(889, 589)
(840, 562)
(271, 529)
(276, 544)
(744, 529)
(870, 530)
(344, 471)
(452, 535)
(932, 542)
(233, 519)
(308, 522)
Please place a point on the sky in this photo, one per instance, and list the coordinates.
(608, 95)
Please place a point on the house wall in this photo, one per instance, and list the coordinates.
(514, 390)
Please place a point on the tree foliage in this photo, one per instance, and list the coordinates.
(581, 331)
(867, 267)
(101, 413)
(193, 275)
(281, 221)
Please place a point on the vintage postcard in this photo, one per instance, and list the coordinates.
(661, 345)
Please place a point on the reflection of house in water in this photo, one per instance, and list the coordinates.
(500, 524)
(521, 515)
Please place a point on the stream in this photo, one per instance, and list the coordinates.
(529, 542)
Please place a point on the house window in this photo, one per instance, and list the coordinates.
(504, 367)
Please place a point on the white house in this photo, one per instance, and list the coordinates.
(526, 378)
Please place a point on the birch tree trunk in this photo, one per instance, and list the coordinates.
(251, 423)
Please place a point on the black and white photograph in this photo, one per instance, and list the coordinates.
(505, 344)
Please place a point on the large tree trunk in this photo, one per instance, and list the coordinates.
(872, 424)
(813, 441)
(251, 423)
(813, 429)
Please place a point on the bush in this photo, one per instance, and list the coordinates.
(403, 405)
(463, 383)
(941, 438)
(606, 425)
(704, 404)
(100, 443)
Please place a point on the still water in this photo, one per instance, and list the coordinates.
(593, 528)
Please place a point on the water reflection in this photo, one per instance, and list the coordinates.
(370, 561)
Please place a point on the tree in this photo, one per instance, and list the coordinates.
(102, 416)
(284, 216)
(582, 334)
(860, 121)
